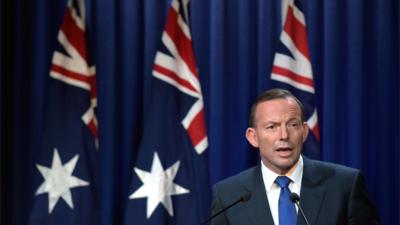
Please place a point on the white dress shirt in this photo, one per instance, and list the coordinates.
(273, 190)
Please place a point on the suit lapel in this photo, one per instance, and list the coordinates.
(258, 207)
(312, 196)
(312, 193)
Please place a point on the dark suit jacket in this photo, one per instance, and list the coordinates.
(330, 194)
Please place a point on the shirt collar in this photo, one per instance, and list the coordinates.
(269, 176)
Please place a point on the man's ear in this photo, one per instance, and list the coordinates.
(251, 136)
(306, 130)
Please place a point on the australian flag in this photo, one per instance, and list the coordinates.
(292, 68)
(170, 177)
(66, 187)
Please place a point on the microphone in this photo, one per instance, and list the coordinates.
(243, 198)
(295, 198)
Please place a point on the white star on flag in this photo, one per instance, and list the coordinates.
(158, 186)
(58, 180)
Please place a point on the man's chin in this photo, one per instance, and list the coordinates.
(286, 163)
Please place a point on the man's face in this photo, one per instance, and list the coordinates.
(278, 133)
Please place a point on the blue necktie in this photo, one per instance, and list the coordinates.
(287, 210)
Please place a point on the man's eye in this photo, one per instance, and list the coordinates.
(270, 127)
(293, 125)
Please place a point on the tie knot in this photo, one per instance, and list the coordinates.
(282, 181)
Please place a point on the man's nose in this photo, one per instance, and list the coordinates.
(284, 133)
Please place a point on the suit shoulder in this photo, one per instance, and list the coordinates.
(328, 169)
(334, 166)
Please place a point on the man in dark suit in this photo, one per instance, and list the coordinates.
(329, 193)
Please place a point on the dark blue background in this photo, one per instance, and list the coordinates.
(355, 52)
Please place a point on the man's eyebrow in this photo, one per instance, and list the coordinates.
(270, 121)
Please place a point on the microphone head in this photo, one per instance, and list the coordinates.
(294, 197)
(245, 197)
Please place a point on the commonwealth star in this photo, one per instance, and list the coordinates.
(58, 180)
(158, 186)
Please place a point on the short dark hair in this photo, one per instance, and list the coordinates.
(271, 94)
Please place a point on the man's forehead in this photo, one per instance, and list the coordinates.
(280, 103)
(279, 107)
